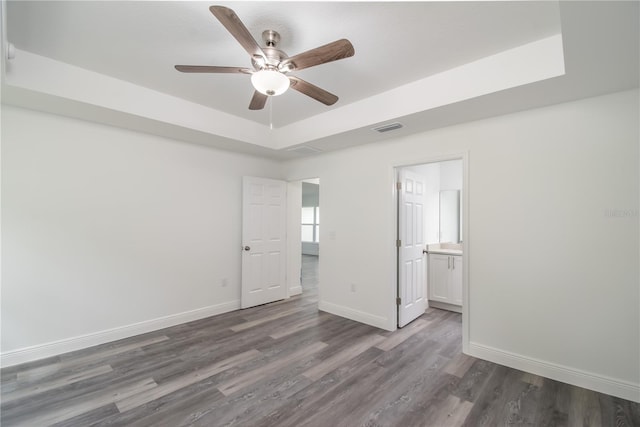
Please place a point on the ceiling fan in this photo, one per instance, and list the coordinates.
(271, 65)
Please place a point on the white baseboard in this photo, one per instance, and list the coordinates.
(358, 316)
(295, 290)
(445, 306)
(41, 351)
(591, 381)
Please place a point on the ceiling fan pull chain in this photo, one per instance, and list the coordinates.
(271, 112)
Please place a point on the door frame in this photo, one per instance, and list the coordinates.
(294, 240)
(393, 173)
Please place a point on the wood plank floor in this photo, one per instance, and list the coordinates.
(286, 364)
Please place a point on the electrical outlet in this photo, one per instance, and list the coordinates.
(224, 282)
(353, 287)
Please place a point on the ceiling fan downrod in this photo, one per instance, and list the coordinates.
(271, 38)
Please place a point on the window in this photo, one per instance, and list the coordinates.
(310, 224)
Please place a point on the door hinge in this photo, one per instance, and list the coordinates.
(398, 243)
(399, 185)
(398, 301)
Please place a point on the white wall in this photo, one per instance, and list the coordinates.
(103, 228)
(111, 232)
(431, 174)
(451, 175)
(553, 279)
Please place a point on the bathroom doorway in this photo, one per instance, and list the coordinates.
(429, 226)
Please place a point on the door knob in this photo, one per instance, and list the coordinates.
(247, 248)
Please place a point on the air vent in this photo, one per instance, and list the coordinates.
(388, 128)
(304, 149)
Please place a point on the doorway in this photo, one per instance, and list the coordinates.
(430, 239)
(303, 236)
(310, 235)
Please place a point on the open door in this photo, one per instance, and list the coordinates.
(411, 266)
(263, 241)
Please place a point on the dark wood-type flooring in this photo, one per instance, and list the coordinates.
(287, 364)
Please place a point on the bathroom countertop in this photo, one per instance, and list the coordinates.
(445, 251)
(445, 248)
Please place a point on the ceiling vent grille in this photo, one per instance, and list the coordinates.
(388, 128)
(304, 149)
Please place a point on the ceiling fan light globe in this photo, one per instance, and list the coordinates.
(270, 82)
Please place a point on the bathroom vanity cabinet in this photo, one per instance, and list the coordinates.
(445, 281)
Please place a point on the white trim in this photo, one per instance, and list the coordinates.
(356, 315)
(293, 227)
(445, 306)
(54, 348)
(600, 383)
(295, 290)
(466, 304)
(466, 264)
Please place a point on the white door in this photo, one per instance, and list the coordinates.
(411, 265)
(263, 241)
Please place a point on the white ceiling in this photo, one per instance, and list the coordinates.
(396, 43)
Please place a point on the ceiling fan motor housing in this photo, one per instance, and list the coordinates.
(273, 56)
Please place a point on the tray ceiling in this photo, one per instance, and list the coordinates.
(397, 44)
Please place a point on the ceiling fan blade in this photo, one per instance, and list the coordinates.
(339, 49)
(313, 91)
(258, 101)
(234, 25)
(211, 69)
